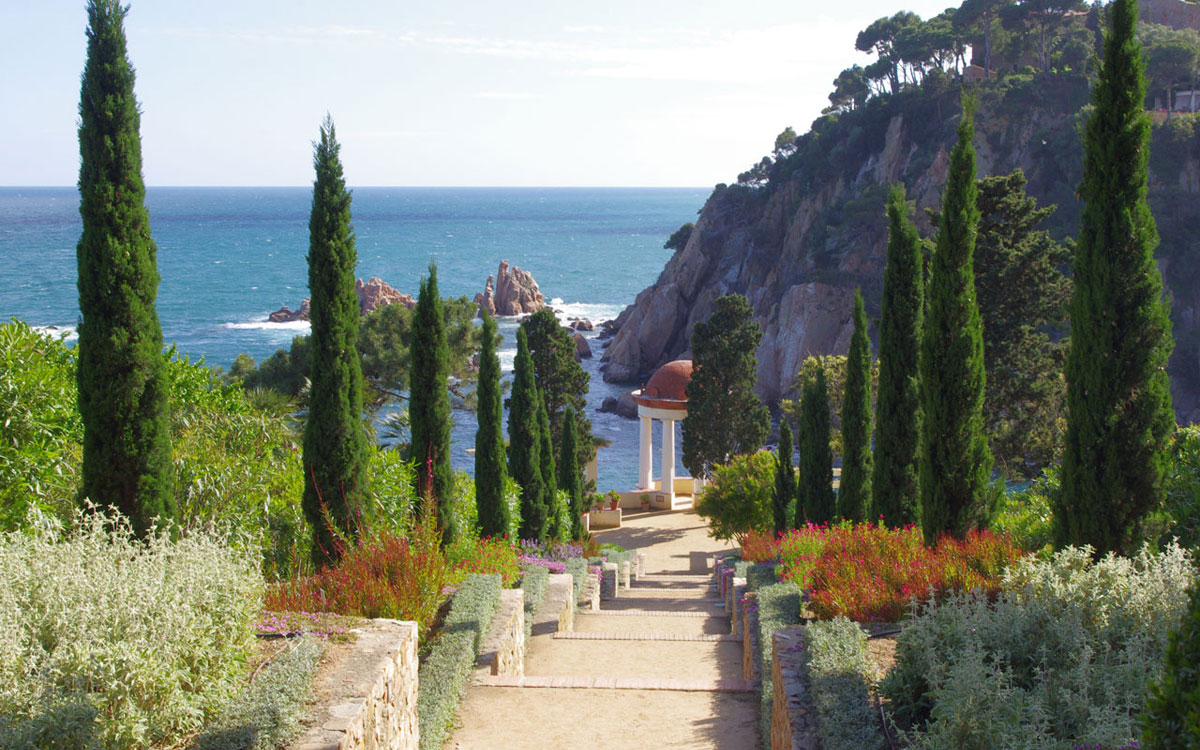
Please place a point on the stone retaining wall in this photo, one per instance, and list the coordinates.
(368, 694)
(557, 613)
(503, 649)
(793, 724)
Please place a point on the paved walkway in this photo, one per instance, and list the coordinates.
(655, 667)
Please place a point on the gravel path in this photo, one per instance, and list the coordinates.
(667, 694)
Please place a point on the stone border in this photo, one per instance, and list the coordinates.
(369, 695)
(503, 649)
(793, 719)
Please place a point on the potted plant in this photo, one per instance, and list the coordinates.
(614, 499)
(645, 501)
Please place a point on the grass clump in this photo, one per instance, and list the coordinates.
(266, 714)
(840, 671)
(111, 642)
(443, 675)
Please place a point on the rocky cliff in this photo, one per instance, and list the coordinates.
(799, 243)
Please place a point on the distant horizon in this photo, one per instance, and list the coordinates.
(402, 187)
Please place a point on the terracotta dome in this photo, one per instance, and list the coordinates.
(670, 381)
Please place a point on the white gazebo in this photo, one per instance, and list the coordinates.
(663, 398)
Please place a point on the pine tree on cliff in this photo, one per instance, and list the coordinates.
(569, 479)
(725, 417)
(955, 460)
(816, 458)
(1118, 398)
(335, 445)
(122, 377)
(524, 441)
(490, 467)
(895, 489)
(429, 402)
(854, 494)
(785, 479)
(549, 471)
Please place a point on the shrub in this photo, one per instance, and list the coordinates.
(1027, 516)
(840, 673)
(739, 498)
(533, 584)
(443, 675)
(778, 605)
(577, 567)
(799, 550)
(760, 546)
(1182, 483)
(1064, 654)
(872, 574)
(379, 576)
(149, 638)
(473, 556)
(265, 715)
(1172, 718)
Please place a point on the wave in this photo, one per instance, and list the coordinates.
(66, 333)
(262, 324)
(595, 312)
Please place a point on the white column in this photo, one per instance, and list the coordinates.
(646, 456)
(668, 458)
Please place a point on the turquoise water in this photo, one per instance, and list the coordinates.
(228, 256)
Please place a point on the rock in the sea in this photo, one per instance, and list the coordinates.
(624, 406)
(376, 293)
(582, 349)
(287, 315)
(580, 324)
(607, 329)
(514, 292)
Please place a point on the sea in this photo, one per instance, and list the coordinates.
(230, 256)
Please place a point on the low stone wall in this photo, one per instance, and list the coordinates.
(503, 649)
(557, 613)
(793, 723)
(749, 640)
(737, 591)
(589, 593)
(604, 519)
(366, 698)
(610, 581)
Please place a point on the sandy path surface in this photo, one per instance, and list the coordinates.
(677, 548)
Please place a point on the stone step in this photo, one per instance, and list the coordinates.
(681, 659)
(620, 683)
(644, 613)
(586, 623)
(594, 636)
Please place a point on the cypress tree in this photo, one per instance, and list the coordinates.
(570, 479)
(854, 494)
(122, 379)
(490, 468)
(335, 444)
(549, 471)
(1118, 398)
(816, 459)
(1172, 717)
(955, 460)
(895, 489)
(524, 441)
(785, 478)
(429, 401)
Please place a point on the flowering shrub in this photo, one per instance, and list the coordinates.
(382, 576)
(486, 555)
(760, 546)
(551, 550)
(108, 641)
(872, 573)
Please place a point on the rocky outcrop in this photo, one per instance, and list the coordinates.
(798, 248)
(622, 406)
(583, 350)
(580, 324)
(514, 292)
(373, 294)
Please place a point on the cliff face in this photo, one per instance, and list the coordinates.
(799, 246)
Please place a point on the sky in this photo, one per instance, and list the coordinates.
(449, 93)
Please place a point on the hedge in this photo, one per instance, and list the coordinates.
(266, 714)
(840, 670)
(443, 675)
(533, 583)
(757, 575)
(577, 567)
(778, 606)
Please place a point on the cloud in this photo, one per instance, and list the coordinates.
(506, 95)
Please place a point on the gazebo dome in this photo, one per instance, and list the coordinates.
(670, 381)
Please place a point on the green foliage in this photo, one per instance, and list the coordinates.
(570, 481)
(442, 678)
(1022, 296)
(841, 672)
(429, 401)
(335, 444)
(785, 479)
(834, 368)
(549, 472)
(955, 461)
(1172, 718)
(725, 417)
(854, 493)
(122, 384)
(740, 497)
(816, 498)
(533, 585)
(266, 714)
(778, 607)
(1028, 516)
(1182, 481)
(524, 443)
(39, 447)
(1118, 397)
(491, 469)
(966, 676)
(562, 380)
(150, 636)
(679, 238)
(898, 416)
